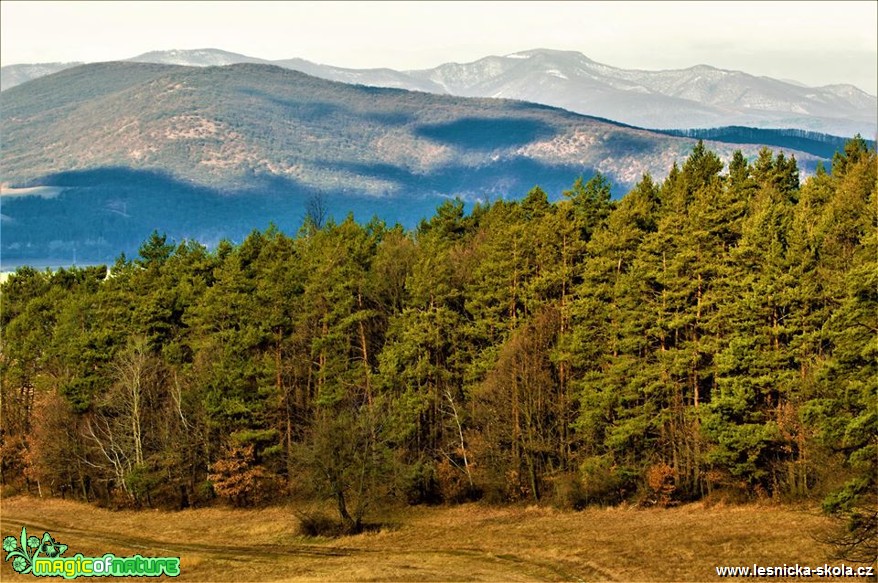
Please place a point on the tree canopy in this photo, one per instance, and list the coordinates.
(710, 335)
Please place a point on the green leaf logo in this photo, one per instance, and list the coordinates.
(24, 551)
(22, 560)
(50, 547)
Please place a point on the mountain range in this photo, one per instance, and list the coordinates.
(97, 156)
(696, 97)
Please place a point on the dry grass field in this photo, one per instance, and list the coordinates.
(461, 543)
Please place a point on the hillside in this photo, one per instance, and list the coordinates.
(821, 145)
(223, 126)
(696, 97)
(232, 148)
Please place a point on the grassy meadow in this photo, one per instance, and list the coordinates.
(458, 543)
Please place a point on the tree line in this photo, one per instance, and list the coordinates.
(712, 334)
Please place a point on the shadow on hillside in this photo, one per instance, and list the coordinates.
(306, 109)
(507, 178)
(487, 134)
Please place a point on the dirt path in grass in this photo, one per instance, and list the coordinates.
(458, 543)
(326, 560)
(114, 540)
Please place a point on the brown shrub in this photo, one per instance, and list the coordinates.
(237, 478)
(660, 479)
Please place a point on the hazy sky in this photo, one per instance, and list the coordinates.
(816, 43)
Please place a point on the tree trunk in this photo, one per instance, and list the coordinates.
(364, 349)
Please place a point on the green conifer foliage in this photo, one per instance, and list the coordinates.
(713, 334)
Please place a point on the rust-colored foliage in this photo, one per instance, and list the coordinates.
(660, 479)
(237, 478)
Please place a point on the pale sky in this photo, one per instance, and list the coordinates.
(816, 43)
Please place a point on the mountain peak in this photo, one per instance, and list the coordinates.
(195, 57)
(551, 53)
(544, 51)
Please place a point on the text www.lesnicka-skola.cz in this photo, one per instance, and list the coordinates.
(796, 571)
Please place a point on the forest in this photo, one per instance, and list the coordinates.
(713, 336)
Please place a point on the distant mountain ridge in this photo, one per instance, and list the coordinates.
(817, 144)
(196, 58)
(219, 125)
(212, 152)
(12, 75)
(696, 97)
